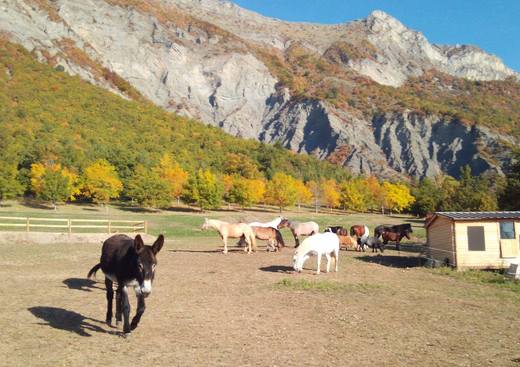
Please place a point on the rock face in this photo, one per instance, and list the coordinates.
(214, 77)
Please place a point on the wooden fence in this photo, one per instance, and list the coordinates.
(73, 225)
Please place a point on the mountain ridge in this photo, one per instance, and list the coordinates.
(324, 93)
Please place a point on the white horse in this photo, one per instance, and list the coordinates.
(234, 230)
(318, 244)
(274, 223)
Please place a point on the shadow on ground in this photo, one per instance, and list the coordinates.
(81, 284)
(277, 269)
(62, 319)
(394, 261)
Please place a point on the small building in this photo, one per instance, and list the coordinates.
(480, 240)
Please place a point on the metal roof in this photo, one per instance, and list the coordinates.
(480, 215)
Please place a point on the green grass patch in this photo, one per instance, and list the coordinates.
(323, 286)
(495, 278)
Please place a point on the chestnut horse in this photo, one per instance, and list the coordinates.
(361, 232)
(299, 229)
(270, 234)
(233, 230)
(344, 239)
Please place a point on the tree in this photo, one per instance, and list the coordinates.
(173, 174)
(53, 183)
(509, 197)
(148, 189)
(397, 196)
(10, 187)
(330, 193)
(246, 192)
(303, 194)
(281, 191)
(242, 165)
(317, 194)
(375, 194)
(101, 182)
(353, 195)
(473, 193)
(204, 190)
(427, 196)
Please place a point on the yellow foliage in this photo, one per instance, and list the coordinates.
(281, 190)
(37, 173)
(173, 174)
(397, 196)
(101, 182)
(330, 193)
(303, 193)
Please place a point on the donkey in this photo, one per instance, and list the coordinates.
(128, 262)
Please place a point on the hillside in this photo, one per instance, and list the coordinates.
(47, 115)
(371, 95)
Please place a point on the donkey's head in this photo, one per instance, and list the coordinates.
(146, 263)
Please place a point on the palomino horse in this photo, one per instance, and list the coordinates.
(273, 224)
(361, 232)
(271, 235)
(233, 230)
(318, 244)
(394, 237)
(128, 262)
(299, 229)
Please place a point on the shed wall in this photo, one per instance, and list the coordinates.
(440, 241)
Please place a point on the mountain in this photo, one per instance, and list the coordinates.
(371, 94)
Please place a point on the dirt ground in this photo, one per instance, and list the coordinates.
(211, 309)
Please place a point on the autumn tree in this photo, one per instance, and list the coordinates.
(316, 192)
(473, 193)
(303, 193)
(397, 196)
(101, 182)
(52, 183)
(353, 195)
(281, 191)
(246, 192)
(331, 194)
(509, 197)
(10, 187)
(242, 165)
(172, 173)
(375, 194)
(147, 188)
(204, 190)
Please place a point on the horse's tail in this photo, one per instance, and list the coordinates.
(279, 238)
(93, 270)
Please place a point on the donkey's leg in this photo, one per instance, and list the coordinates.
(140, 310)
(126, 310)
(327, 256)
(119, 304)
(110, 297)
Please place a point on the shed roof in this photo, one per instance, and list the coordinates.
(474, 216)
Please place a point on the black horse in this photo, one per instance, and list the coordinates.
(128, 262)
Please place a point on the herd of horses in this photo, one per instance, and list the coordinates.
(130, 263)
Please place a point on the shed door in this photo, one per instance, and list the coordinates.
(508, 240)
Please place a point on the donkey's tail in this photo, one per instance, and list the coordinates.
(93, 270)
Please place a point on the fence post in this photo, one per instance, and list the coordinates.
(109, 227)
(145, 226)
(70, 226)
(27, 225)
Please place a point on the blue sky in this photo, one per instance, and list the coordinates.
(493, 25)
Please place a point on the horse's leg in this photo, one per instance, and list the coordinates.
(140, 310)
(398, 245)
(318, 263)
(336, 258)
(296, 240)
(110, 297)
(327, 256)
(224, 239)
(126, 310)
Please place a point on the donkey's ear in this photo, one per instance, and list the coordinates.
(138, 243)
(158, 244)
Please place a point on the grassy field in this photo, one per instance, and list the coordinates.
(251, 310)
(185, 222)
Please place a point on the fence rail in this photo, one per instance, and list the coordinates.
(70, 225)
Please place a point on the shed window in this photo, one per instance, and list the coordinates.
(507, 230)
(476, 238)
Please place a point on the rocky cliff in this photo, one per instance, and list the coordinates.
(202, 58)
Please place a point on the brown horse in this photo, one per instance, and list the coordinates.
(299, 229)
(346, 241)
(394, 237)
(272, 235)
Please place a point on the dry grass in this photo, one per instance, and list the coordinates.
(238, 309)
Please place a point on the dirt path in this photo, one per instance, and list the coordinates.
(218, 310)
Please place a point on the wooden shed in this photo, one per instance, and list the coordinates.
(480, 240)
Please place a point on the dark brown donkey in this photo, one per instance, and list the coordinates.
(128, 262)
